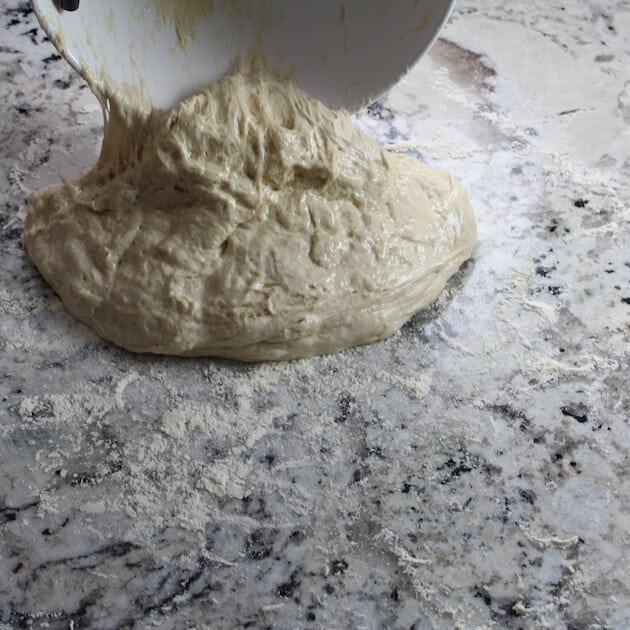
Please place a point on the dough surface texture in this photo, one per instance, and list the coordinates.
(249, 222)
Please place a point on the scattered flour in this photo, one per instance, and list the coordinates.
(551, 541)
(225, 478)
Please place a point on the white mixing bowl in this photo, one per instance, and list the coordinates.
(342, 52)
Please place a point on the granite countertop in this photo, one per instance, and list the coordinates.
(470, 472)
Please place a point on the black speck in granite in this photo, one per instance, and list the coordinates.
(31, 34)
(554, 290)
(296, 537)
(577, 412)
(380, 112)
(11, 234)
(357, 475)
(49, 532)
(348, 408)
(528, 495)
(463, 462)
(51, 58)
(454, 469)
(338, 567)
(625, 300)
(287, 589)
(256, 507)
(21, 11)
(512, 415)
(18, 15)
(9, 514)
(260, 543)
(566, 112)
(482, 593)
(372, 451)
(383, 114)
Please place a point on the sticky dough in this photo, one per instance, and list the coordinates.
(250, 222)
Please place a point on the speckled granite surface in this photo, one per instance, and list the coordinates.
(470, 472)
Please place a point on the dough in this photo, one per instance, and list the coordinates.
(250, 222)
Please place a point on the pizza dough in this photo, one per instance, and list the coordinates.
(250, 222)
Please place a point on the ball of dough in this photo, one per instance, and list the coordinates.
(250, 222)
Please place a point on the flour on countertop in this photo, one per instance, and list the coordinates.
(352, 479)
